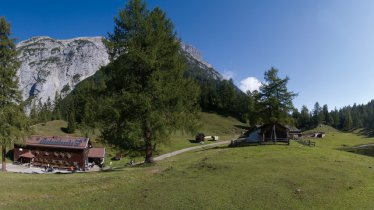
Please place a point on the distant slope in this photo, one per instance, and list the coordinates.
(322, 128)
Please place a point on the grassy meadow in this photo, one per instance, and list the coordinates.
(254, 177)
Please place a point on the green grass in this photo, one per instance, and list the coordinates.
(255, 177)
(226, 128)
(51, 128)
(322, 128)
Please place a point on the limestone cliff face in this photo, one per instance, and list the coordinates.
(49, 65)
(195, 60)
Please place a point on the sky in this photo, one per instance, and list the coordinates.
(325, 47)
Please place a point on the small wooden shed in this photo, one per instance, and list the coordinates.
(267, 133)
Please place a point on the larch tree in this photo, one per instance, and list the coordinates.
(13, 122)
(274, 99)
(150, 98)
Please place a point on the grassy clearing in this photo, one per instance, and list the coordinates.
(51, 128)
(226, 128)
(322, 128)
(256, 177)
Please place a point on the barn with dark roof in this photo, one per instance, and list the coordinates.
(55, 151)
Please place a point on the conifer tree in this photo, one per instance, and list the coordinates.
(348, 123)
(317, 115)
(274, 99)
(56, 113)
(304, 121)
(326, 115)
(253, 118)
(72, 125)
(336, 118)
(13, 122)
(150, 96)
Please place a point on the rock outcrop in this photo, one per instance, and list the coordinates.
(50, 66)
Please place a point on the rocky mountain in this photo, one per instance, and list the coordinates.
(197, 65)
(49, 65)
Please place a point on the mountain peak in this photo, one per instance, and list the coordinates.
(195, 53)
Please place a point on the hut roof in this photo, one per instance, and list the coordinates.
(27, 155)
(58, 141)
(96, 153)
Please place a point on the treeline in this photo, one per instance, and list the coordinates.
(47, 111)
(346, 118)
(223, 97)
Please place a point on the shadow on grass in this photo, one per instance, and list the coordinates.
(364, 150)
(366, 133)
(242, 127)
(65, 130)
(193, 141)
(222, 147)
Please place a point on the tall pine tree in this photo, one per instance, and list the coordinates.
(151, 98)
(274, 99)
(13, 122)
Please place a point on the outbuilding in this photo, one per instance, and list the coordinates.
(96, 155)
(267, 133)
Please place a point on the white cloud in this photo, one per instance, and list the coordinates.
(228, 75)
(250, 83)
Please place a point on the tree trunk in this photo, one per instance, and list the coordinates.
(3, 160)
(148, 144)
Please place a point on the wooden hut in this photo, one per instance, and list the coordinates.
(267, 133)
(275, 133)
(96, 155)
(55, 151)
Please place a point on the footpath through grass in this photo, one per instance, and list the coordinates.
(255, 177)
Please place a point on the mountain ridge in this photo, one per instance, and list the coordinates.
(50, 66)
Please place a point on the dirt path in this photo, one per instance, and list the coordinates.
(171, 154)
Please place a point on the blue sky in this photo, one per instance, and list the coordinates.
(326, 47)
